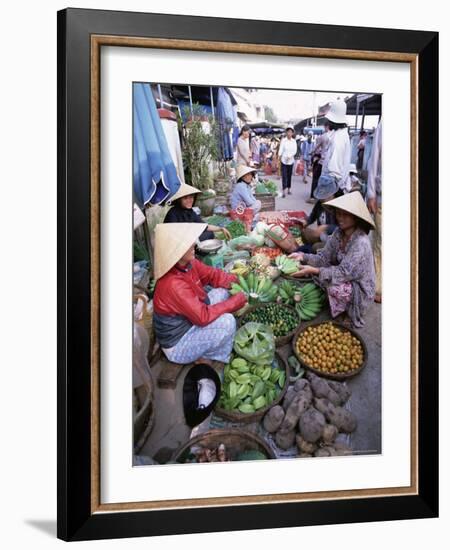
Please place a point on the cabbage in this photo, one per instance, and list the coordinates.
(256, 343)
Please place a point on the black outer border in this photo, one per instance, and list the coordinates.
(75, 521)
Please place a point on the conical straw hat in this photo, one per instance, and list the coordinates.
(353, 203)
(183, 191)
(241, 170)
(172, 241)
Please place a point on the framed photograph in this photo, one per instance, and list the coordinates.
(241, 343)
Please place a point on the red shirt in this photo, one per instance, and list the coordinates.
(181, 292)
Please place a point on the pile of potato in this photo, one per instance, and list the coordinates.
(312, 417)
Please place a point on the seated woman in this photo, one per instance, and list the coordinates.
(242, 193)
(182, 212)
(345, 266)
(191, 325)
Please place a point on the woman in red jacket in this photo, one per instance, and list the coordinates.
(191, 325)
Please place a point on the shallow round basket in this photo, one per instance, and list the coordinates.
(209, 246)
(333, 376)
(279, 340)
(144, 420)
(236, 441)
(246, 418)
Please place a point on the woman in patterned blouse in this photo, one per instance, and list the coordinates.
(344, 268)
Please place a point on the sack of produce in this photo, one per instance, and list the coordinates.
(280, 235)
(256, 343)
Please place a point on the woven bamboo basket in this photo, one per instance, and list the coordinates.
(333, 376)
(247, 418)
(279, 340)
(267, 201)
(235, 440)
(145, 417)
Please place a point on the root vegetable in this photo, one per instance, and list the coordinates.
(321, 452)
(289, 396)
(321, 404)
(304, 455)
(284, 440)
(344, 420)
(301, 384)
(322, 388)
(329, 434)
(273, 419)
(341, 389)
(304, 446)
(311, 425)
(325, 451)
(342, 449)
(298, 406)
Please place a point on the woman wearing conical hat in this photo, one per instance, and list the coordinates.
(345, 266)
(191, 325)
(182, 212)
(242, 193)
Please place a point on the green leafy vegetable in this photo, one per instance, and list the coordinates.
(256, 343)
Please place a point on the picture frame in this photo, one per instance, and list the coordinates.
(81, 35)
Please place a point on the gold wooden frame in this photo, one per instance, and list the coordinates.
(97, 41)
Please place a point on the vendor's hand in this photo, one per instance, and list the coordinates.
(372, 205)
(227, 234)
(296, 256)
(306, 270)
(303, 222)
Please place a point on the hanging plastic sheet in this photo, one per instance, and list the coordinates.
(225, 118)
(155, 177)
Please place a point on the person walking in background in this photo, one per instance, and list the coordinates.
(288, 149)
(374, 203)
(361, 147)
(318, 155)
(243, 153)
(337, 159)
(255, 149)
(263, 148)
(306, 150)
(274, 150)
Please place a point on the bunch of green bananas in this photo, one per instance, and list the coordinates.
(286, 265)
(247, 387)
(289, 293)
(312, 301)
(257, 289)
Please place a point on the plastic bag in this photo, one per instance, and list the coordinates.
(245, 215)
(282, 237)
(244, 242)
(255, 342)
(300, 168)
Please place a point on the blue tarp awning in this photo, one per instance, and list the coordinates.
(225, 116)
(155, 177)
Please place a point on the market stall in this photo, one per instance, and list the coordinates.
(283, 393)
